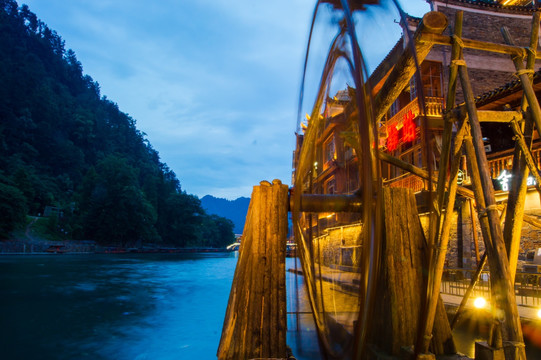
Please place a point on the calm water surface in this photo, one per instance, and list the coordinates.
(168, 306)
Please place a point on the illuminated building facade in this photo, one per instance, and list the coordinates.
(401, 132)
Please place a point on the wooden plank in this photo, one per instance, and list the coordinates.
(255, 324)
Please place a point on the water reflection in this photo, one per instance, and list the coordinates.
(167, 306)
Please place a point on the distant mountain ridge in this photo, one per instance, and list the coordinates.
(234, 210)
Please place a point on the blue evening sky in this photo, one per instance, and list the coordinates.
(213, 83)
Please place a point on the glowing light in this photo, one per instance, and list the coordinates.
(505, 180)
(392, 139)
(480, 302)
(539, 313)
(409, 127)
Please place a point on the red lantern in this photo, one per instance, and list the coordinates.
(409, 127)
(392, 138)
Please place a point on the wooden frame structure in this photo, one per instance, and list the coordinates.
(461, 134)
(501, 245)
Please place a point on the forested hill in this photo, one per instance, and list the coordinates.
(64, 145)
(234, 210)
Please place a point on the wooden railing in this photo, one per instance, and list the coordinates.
(408, 181)
(433, 107)
(504, 161)
(527, 285)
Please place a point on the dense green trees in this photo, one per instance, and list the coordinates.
(62, 144)
(12, 208)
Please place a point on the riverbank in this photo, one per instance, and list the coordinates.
(31, 240)
(40, 247)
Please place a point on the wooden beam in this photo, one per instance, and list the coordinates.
(328, 203)
(494, 116)
(524, 76)
(438, 241)
(498, 116)
(438, 39)
(432, 23)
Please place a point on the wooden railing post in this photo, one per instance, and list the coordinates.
(255, 323)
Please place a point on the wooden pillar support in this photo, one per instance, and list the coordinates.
(517, 194)
(502, 287)
(255, 323)
(438, 242)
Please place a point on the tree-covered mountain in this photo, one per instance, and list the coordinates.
(64, 145)
(234, 210)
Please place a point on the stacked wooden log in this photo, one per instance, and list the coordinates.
(400, 301)
(255, 324)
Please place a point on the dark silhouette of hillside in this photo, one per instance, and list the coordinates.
(67, 147)
(234, 210)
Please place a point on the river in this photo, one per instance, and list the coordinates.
(140, 306)
(166, 306)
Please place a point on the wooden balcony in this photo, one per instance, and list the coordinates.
(503, 160)
(433, 108)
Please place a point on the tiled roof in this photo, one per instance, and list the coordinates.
(504, 90)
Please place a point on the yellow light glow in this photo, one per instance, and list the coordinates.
(539, 313)
(480, 302)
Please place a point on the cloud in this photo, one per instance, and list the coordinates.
(213, 83)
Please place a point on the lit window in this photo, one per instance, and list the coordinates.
(330, 153)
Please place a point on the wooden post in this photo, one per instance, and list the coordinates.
(439, 250)
(525, 151)
(502, 288)
(438, 244)
(517, 194)
(255, 323)
(397, 312)
(474, 232)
